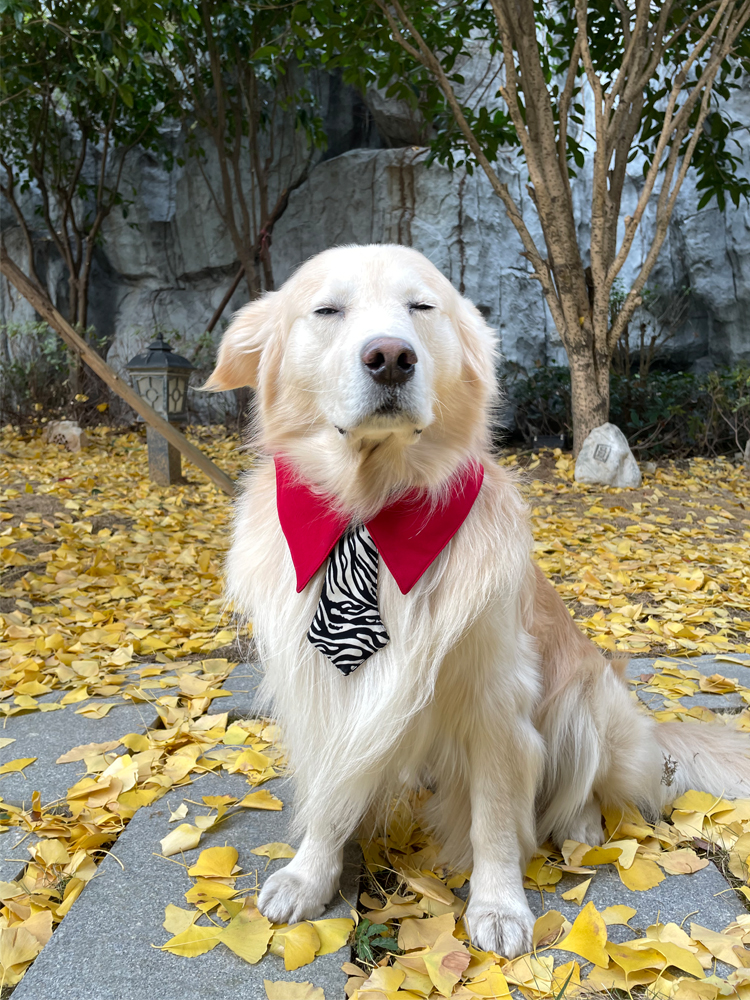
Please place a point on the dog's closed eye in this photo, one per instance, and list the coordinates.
(327, 311)
(420, 307)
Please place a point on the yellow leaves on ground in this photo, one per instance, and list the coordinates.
(16, 766)
(297, 944)
(576, 895)
(248, 938)
(66, 846)
(115, 570)
(588, 936)
(215, 862)
(193, 941)
(244, 931)
(437, 959)
(681, 542)
(274, 851)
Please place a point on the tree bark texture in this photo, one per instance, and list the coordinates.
(580, 304)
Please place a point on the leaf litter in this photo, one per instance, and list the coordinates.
(131, 609)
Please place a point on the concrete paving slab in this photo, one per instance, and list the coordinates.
(243, 682)
(103, 949)
(707, 665)
(48, 735)
(704, 898)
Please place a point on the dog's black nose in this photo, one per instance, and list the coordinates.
(388, 360)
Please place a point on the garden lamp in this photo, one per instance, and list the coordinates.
(160, 376)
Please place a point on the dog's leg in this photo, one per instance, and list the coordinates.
(504, 771)
(585, 827)
(301, 890)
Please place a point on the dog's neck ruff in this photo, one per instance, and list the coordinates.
(409, 533)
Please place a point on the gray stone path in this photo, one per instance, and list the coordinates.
(103, 948)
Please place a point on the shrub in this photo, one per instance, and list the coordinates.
(40, 379)
(675, 413)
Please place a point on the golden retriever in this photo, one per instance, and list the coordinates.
(486, 690)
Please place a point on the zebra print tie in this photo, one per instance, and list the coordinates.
(347, 627)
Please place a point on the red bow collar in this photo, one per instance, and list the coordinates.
(409, 533)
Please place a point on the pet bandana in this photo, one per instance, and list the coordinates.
(408, 534)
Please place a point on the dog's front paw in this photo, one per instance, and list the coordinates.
(506, 929)
(288, 897)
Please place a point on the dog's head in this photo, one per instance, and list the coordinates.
(365, 348)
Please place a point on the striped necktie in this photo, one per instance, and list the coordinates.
(347, 627)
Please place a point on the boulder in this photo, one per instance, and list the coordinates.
(606, 459)
(66, 432)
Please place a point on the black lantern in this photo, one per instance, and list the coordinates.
(161, 378)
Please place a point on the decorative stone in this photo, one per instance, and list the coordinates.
(606, 459)
(66, 432)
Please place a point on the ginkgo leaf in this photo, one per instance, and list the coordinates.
(333, 933)
(619, 914)
(425, 932)
(193, 941)
(298, 945)
(491, 984)
(87, 750)
(179, 813)
(16, 766)
(184, 838)
(445, 962)
(215, 862)
(577, 894)
(642, 875)
(235, 736)
(177, 920)
(630, 960)
(721, 946)
(6, 741)
(274, 851)
(95, 711)
(293, 991)
(247, 938)
(547, 929)
(588, 936)
(17, 947)
(387, 979)
(682, 862)
(262, 799)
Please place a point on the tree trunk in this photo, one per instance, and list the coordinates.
(589, 384)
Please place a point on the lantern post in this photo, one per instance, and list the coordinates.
(160, 376)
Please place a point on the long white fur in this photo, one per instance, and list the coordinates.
(486, 688)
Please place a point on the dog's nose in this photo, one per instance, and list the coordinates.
(388, 360)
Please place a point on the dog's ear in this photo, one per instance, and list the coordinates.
(479, 343)
(243, 343)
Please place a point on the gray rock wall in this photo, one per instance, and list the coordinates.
(169, 263)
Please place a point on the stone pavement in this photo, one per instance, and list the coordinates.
(104, 947)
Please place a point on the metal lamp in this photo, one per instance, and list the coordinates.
(160, 376)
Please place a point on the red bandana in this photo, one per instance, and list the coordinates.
(409, 533)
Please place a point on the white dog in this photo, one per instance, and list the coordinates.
(375, 380)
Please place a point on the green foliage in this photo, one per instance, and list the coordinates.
(356, 36)
(247, 52)
(372, 939)
(675, 413)
(33, 372)
(79, 88)
(39, 378)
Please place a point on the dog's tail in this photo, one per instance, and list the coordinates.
(711, 758)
